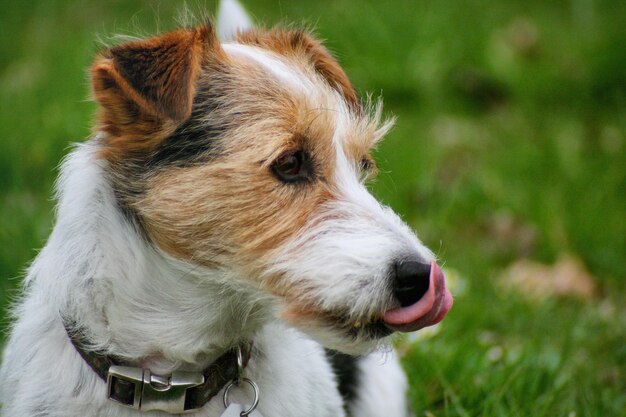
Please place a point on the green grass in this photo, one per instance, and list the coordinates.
(506, 110)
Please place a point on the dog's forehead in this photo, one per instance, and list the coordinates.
(272, 64)
(322, 103)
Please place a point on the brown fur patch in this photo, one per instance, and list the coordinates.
(300, 45)
(233, 210)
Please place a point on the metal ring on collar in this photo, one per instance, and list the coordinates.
(255, 388)
(240, 369)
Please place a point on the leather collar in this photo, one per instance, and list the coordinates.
(130, 391)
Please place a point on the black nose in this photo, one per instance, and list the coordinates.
(410, 282)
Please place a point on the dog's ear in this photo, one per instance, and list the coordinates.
(154, 77)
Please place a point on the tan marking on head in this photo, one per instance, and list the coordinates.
(233, 210)
(300, 46)
(146, 88)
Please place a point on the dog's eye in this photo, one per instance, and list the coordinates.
(292, 167)
(366, 164)
(367, 168)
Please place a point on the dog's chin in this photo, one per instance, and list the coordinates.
(338, 333)
(358, 342)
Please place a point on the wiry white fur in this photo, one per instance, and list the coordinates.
(231, 17)
(379, 394)
(273, 64)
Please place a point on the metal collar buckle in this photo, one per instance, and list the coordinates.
(139, 389)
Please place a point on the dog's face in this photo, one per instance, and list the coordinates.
(251, 157)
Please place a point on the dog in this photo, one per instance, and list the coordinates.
(216, 251)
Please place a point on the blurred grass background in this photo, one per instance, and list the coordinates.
(510, 144)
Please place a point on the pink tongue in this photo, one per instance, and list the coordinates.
(437, 297)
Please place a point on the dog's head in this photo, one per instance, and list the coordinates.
(250, 157)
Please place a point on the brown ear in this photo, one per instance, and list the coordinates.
(154, 77)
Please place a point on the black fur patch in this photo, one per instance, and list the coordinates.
(347, 372)
(193, 141)
(187, 145)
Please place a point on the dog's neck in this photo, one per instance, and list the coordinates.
(132, 300)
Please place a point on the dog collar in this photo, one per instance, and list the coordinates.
(180, 392)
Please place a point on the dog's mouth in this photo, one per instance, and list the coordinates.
(374, 330)
(429, 310)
